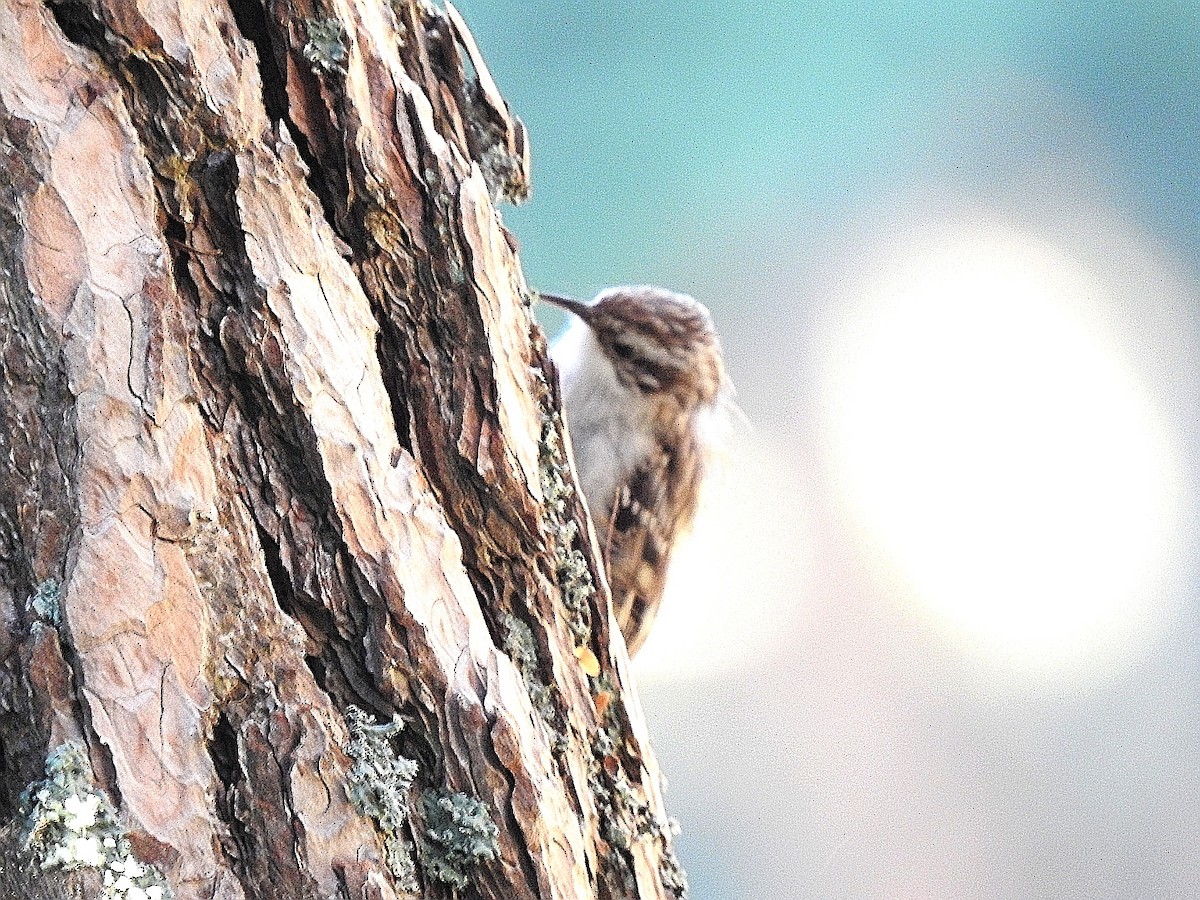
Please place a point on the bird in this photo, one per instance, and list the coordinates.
(644, 391)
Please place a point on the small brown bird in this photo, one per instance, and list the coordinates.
(643, 382)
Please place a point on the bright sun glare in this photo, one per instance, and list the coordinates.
(996, 448)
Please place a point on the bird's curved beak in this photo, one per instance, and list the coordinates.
(578, 307)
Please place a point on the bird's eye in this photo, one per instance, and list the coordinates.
(622, 348)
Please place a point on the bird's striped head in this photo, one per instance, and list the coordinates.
(658, 341)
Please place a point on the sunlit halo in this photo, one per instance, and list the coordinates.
(1000, 453)
(735, 592)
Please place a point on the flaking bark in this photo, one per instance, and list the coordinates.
(278, 427)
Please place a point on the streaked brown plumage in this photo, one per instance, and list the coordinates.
(642, 375)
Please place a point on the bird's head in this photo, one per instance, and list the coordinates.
(658, 342)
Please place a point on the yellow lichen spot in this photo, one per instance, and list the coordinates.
(587, 659)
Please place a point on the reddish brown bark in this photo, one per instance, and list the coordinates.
(278, 422)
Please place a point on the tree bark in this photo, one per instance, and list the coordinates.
(290, 544)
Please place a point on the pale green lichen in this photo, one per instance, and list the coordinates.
(69, 824)
(326, 46)
(570, 565)
(444, 196)
(378, 784)
(47, 602)
(519, 645)
(626, 817)
(497, 143)
(461, 835)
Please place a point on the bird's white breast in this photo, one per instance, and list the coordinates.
(609, 423)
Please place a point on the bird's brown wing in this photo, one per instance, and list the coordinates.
(648, 514)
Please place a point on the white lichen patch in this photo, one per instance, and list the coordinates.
(378, 784)
(69, 824)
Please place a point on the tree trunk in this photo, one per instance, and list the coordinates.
(299, 597)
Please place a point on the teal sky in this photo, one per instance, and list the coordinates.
(664, 133)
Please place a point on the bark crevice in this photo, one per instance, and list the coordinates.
(279, 405)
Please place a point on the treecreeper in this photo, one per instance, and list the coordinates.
(645, 392)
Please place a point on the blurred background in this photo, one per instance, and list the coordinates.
(936, 635)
